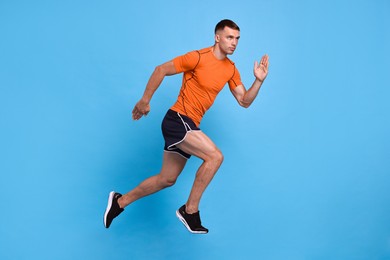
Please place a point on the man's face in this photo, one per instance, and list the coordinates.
(227, 39)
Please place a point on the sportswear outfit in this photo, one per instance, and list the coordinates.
(204, 76)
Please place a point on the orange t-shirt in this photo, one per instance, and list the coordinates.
(204, 77)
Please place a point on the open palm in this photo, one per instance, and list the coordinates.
(261, 69)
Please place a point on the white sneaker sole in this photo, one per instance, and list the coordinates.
(109, 204)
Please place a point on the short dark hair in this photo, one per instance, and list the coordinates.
(226, 22)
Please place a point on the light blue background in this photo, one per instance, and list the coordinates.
(306, 170)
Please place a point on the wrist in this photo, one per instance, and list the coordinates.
(145, 100)
(260, 80)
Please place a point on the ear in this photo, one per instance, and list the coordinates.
(217, 37)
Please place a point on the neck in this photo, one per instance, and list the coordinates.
(218, 53)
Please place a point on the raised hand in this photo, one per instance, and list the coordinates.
(260, 70)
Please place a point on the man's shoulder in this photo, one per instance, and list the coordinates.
(200, 51)
(205, 50)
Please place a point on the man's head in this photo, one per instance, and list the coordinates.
(226, 23)
(227, 34)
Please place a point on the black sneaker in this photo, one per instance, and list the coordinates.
(191, 221)
(113, 209)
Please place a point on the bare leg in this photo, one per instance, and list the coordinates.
(198, 144)
(173, 165)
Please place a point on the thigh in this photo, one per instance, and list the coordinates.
(199, 144)
(173, 164)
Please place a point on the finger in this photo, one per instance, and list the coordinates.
(265, 60)
(256, 65)
(135, 116)
(135, 109)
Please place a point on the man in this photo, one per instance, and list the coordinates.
(206, 72)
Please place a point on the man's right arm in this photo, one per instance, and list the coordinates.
(142, 108)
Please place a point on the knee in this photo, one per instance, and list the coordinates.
(217, 157)
(167, 182)
(170, 182)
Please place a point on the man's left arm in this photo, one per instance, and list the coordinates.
(246, 97)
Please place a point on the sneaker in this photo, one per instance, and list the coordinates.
(191, 221)
(113, 209)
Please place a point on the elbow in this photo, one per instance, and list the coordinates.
(159, 70)
(166, 69)
(244, 104)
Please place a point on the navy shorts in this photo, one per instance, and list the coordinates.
(174, 128)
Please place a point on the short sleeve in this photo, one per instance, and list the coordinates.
(235, 80)
(186, 62)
